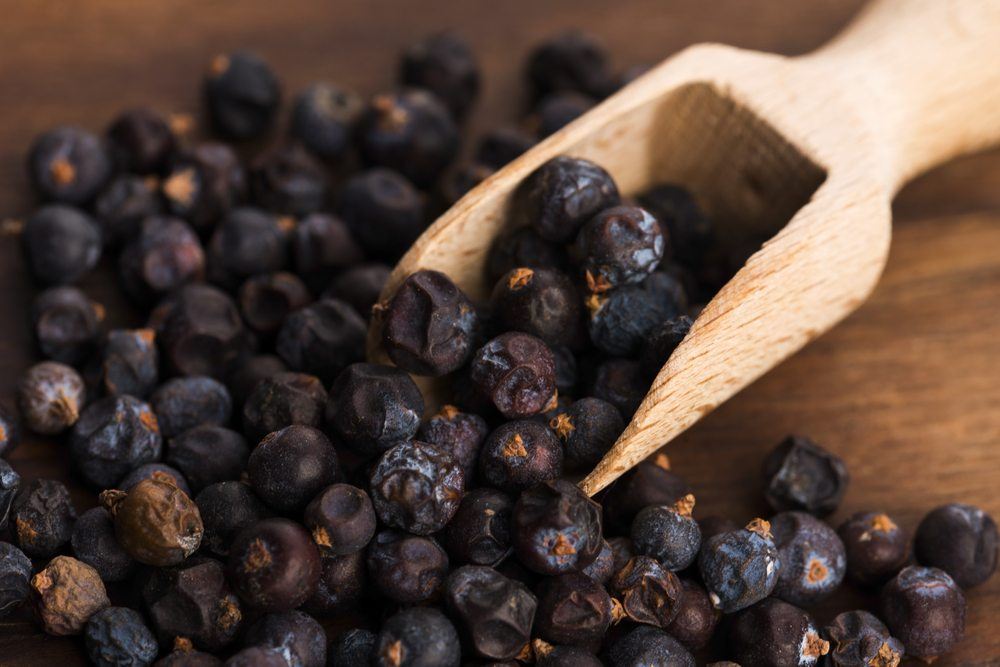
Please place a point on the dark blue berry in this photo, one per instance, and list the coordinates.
(479, 533)
(571, 60)
(62, 244)
(324, 118)
(164, 255)
(877, 547)
(417, 637)
(573, 609)
(406, 568)
(117, 636)
(322, 339)
(961, 540)
(95, 544)
(668, 533)
(516, 372)
(621, 320)
(183, 403)
(298, 635)
(383, 210)
(776, 634)
(741, 567)
(68, 165)
(495, 613)
(519, 454)
(556, 528)
(801, 475)
(444, 64)
(208, 454)
(813, 560)
(204, 184)
(859, 639)
(372, 408)
(140, 141)
(618, 246)
(66, 324)
(15, 578)
(242, 94)
(417, 487)
(925, 609)
(563, 194)
(460, 433)
(289, 467)
(647, 645)
(288, 181)
(113, 436)
(542, 302)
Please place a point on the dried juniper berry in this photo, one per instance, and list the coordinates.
(242, 95)
(563, 194)
(959, 539)
(140, 141)
(618, 246)
(372, 408)
(602, 568)
(193, 600)
(383, 210)
(200, 332)
(61, 243)
(647, 645)
(354, 647)
(208, 454)
(343, 585)
(570, 60)
(801, 475)
(541, 302)
(204, 183)
(50, 397)
(324, 118)
(66, 324)
(322, 246)
(668, 533)
(460, 433)
(288, 181)
(165, 254)
(495, 613)
(289, 467)
(298, 634)
(406, 568)
(741, 567)
(10, 484)
(573, 609)
(463, 179)
(813, 560)
(503, 145)
(243, 380)
(15, 577)
(322, 339)
(417, 637)
(130, 362)
(94, 543)
(274, 565)
(113, 436)
(410, 131)
(622, 383)
(341, 519)
(183, 403)
(689, 230)
(587, 428)
(556, 528)
(648, 592)
(65, 595)
(430, 325)
(696, 618)
(444, 64)
(662, 341)
(519, 454)
(621, 320)
(417, 487)
(122, 206)
(42, 517)
(523, 247)
(479, 533)
(226, 508)
(360, 286)
(154, 471)
(775, 634)
(119, 636)
(68, 165)
(156, 523)
(516, 371)
(859, 639)
(651, 482)
(248, 241)
(282, 400)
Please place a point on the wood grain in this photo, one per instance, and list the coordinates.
(905, 389)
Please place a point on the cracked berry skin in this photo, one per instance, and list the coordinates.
(741, 567)
(801, 475)
(62, 244)
(155, 522)
(588, 429)
(516, 371)
(495, 613)
(410, 131)
(647, 645)
(282, 400)
(208, 454)
(42, 517)
(959, 539)
(130, 362)
(353, 647)
(288, 181)
(696, 618)
(859, 639)
(373, 408)
(563, 194)
(417, 487)
(68, 165)
(774, 633)
(479, 533)
(460, 433)
(925, 609)
(406, 568)
(274, 565)
(341, 519)
(648, 592)
(650, 482)
(94, 543)
(619, 246)
(668, 533)
(621, 382)
(226, 508)
(623, 319)
(204, 184)
(140, 141)
(183, 403)
(343, 585)
(662, 342)
(289, 467)
(119, 636)
(502, 145)
(444, 64)
(519, 454)
(383, 210)
(877, 547)
(417, 637)
(50, 397)
(322, 247)
(813, 559)
(242, 95)
(690, 232)
(573, 609)
(15, 578)
(430, 325)
(65, 594)
(123, 204)
(295, 632)
(113, 436)
(523, 247)
(542, 302)
(556, 528)
(66, 324)
(165, 254)
(248, 241)
(10, 484)
(570, 60)
(324, 119)
(322, 339)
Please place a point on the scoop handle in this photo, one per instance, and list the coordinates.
(924, 74)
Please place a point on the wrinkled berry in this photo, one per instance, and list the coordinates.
(516, 371)
(274, 565)
(519, 454)
(573, 609)
(741, 567)
(15, 576)
(62, 244)
(324, 118)
(812, 557)
(66, 594)
(668, 533)
(341, 519)
(226, 508)
(164, 255)
(648, 592)
(200, 332)
(119, 636)
(94, 543)
(406, 568)
(859, 639)
(618, 246)
(282, 400)
(479, 533)
(67, 164)
(322, 339)
(775, 634)
(50, 397)
(383, 210)
(372, 408)
(801, 475)
(417, 487)
(959, 539)
(242, 94)
(563, 194)
(183, 403)
(460, 433)
(42, 517)
(289, 467)
(495, 613)
(140, 141)
(444, 64)
(156, 523)
(417, 637)
(297, 634)
(540, 302)
(130, 362)
(621, 320)
(556, 528)
(113, 436)
(244, 379)
(208, 454)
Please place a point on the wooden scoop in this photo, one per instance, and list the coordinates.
(809, 150)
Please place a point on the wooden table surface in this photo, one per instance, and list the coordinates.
(906, 389)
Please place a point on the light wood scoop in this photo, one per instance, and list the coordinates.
(809, 149)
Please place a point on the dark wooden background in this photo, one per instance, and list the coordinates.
(906, 390)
